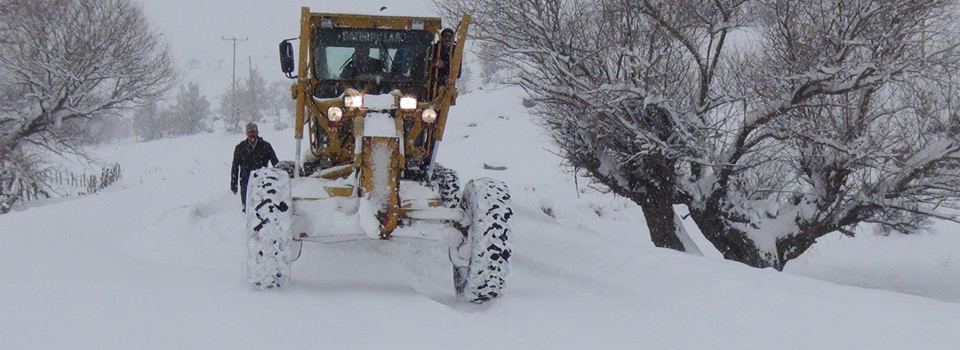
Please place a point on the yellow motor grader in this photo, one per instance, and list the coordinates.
(373, 95)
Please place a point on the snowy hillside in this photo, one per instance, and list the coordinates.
(156, 262)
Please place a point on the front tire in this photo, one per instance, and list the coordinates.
(269, 215)
(485, 250)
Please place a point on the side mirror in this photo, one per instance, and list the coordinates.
(286, 58)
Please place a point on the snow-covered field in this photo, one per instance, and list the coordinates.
(156, 262)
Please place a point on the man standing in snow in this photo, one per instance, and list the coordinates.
(251, 154)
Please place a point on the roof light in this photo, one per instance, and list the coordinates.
(326, 22)
(417, 24)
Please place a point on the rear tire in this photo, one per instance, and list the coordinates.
(485, 249)
(269, 215)
(446, 181)
(286, 165)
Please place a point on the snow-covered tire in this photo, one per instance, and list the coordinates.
(446, 181)
(269, 216)
(485, 251)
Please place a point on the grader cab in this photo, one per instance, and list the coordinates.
(373, 95)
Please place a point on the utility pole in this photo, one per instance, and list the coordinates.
(233, 91)
(254, 102)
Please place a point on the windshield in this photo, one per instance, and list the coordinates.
(382, 55)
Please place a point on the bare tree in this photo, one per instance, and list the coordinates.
(774, 121)
(63, 61)
(610, 83)
(836, 97)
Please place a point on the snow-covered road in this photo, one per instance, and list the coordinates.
(156, 262)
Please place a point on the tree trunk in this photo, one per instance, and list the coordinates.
(790, 247)
(731, 242)
(655, 176)
(658, 210)
(735, 245)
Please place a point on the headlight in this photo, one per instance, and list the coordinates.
(353, 101)
(334, 114)
(429, 115)
(408, 103)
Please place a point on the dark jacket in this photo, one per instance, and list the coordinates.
(443, 53)
(247, 157)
